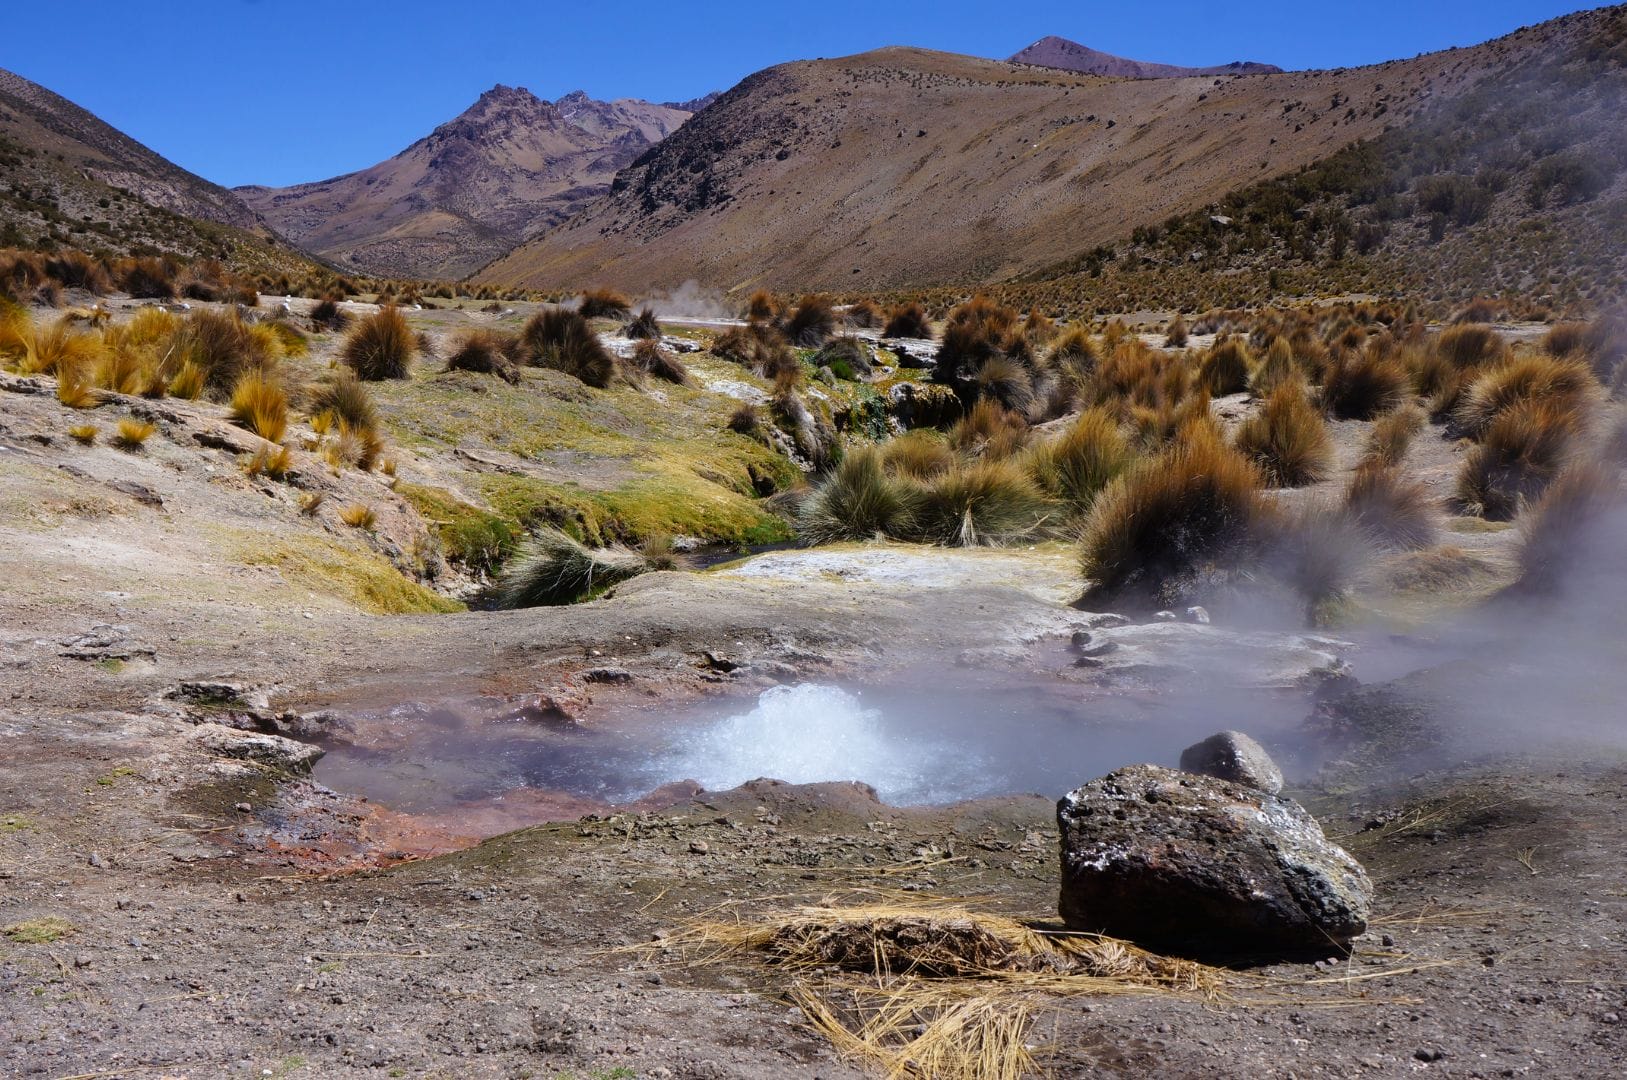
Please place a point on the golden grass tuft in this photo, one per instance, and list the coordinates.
(1567, 384)
(74, 388)
(1226, 367)
(358, 516)
(132, 433)
(486, 352)
(188, 383)
(917, 455)
(1288, 438)
(275, 462)
(1392, 435)
(311, 502)
(84, 433)
(1086, 458)
(984, 503)
(260, 404)
(1470, 345)
(555, 569)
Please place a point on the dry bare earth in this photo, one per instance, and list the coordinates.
(509, 167)
(827, 173)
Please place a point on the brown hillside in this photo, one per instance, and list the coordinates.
(904, 167)
(1058, 52)
(503, 171)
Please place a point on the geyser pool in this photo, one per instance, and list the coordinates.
(935, 736)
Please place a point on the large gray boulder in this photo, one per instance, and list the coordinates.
(1203, 866)
(1232, 755)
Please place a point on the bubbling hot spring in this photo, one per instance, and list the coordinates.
(937, 737)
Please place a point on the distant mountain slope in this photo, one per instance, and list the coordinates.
(1058, 52)
(508, 168)
(67, 177)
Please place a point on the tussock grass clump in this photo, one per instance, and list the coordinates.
(1226, 367)
(1436, 570)
(812, 323)
(344, 400)
(74, 387)
(908, 321)
(847, 356)
(223, 347)
(643, 326)
(147, 278)
(561, 339)
(358, 516)
(1193, 508)
(486, 352)
(750, 346)
(328, 315)
(1575, 529)
(859, 500)
(1004, 380)
(604, 304)
(1390, 509)
(1277, 368)
(1177, 335)
(1565, 383)
(1470, 345)
(275, 463)
(1074, 351)
(380, 347)
(1564, 339)
(1091, 454)
(988, 428)
(1392, 435)
(654, 361)
(1360, 386)
(260, 404)
(984, 503)
(863, 315)
(746, 420)
(555, 568)
(132, 433)
(976, 332)
(1522, 451)
(84, 434)
(761, 307)
(1288, 438)
(917, 455)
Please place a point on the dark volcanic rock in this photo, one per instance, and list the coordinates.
(1232, 755)
(1202, 866)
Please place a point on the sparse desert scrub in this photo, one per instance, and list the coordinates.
(1392, 435)
(1361, 386)
(1226, 367)
(1192, 509)
(486, 352)
(260, 404)
(561, 339)
(380, 346)
(132, 433)
(1078, 464)
(654, 361)
(1567, 384)
(1393, 511)
(604, 304)
(859, 500)
(981, 503)
(1288, 438)
(555, 568)
(908, 321)
(642, 326)
(812, 323)
(1575, 531)
(1522, 451)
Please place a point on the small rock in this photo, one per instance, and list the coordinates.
(96, 861)
(1086, 643)
(1611, 1018)
(1232, 755)
(613, 675)
(272, 750)
(1429, 1053)
(1387, 941)
(1198, 614)
(83, 960)
(1105, 620)
(1165, 616)
(243, 808)
(699, 847)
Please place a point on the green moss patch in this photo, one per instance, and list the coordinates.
(366, 581)
(470, 536)
(39, 931)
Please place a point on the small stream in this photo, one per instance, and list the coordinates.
(927, 737)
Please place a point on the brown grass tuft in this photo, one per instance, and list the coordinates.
(358, 516)
(486, 352)
(1392, 435)
(380, 347)
(604, 304)
(1226, 367)
(1360, 386)
(812, 323)
(84, 433)
(261, 405)
(132, 433)
(653, 360)
(1521, 452)
(1394, 511)
(1567, 384)
(1288, 438)
(1575, 529)
(561, 339)
(908, 321)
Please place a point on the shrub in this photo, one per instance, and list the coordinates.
(858, 501)
(656, 362)
(1195, 507)
(1393, 511)
(1574, 530)
(1360, 386)
(260, 405)
(812, 323)
(344, 400)
(917, 455)
(358, 516)
(1225, 368)
(1288, 438)
(908, 321)
(561, 339)
(981, 503)
(486, 352)
(1392, 434)
(380, 346)
(132, 433)
(1086, 458)
(328, 315)
(863, 314)
(604, 304)
(556, 569)
(1521, 452)
(643, 326)
(1565, 383)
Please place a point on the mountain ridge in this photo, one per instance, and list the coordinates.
(1060, 53)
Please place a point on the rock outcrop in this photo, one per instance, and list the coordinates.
(1203, 866)
(1232, 755)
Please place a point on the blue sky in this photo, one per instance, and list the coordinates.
(281, 91)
